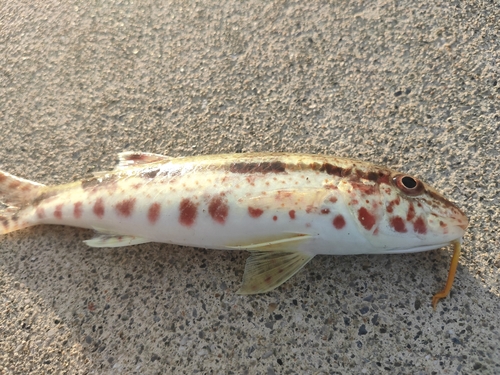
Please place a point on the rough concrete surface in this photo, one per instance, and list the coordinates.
(413, 85)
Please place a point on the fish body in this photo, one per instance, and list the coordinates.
(284, 208)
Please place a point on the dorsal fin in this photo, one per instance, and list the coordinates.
(131, 158)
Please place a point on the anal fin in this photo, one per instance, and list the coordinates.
(106, 239)
(265, 271)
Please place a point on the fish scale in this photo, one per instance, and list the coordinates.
(284, 208)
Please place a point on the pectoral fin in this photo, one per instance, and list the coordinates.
(286, 242)
(273, 261)
(265, 271)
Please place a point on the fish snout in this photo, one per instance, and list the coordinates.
(458, 222)
(462, 222)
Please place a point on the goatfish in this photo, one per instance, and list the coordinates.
(283, 208)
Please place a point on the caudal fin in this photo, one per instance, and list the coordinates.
(15, 194)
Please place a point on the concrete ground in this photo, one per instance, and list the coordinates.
(413, 85)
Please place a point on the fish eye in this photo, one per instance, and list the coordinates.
(408, 184)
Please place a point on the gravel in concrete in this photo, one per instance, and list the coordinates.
(411, 84)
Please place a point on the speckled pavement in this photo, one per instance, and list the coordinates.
(413, 85)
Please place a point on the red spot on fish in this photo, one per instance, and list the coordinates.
(291, 213)
(2, 178)
(283, 195)
(14, 184)
(218, 209)
(332, 169)
(58, 211)
(366, 219)
(339, 222)
(411, 212)
(99, 208)
(331, 186)
(325, 211)
(390, 206)
(380, 177)
(5, 222)
(385, 179)
(111, 187)
(154, 213)
(275, 217)
(309, 209)
(443, 224)
(251, 180)
(420, 227)
(398, 224)
(365, 189)
(187, 212)
(40, 213)
(333, 199)
(255, 212)
(77, 210)
(268, 279)
(125, 207)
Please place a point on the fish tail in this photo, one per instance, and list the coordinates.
(15, 195)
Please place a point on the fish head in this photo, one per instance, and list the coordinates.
(398, 213)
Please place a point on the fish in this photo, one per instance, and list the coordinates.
(284, 208)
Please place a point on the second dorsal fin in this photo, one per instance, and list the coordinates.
(131, 158)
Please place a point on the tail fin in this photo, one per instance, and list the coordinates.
(15, 194)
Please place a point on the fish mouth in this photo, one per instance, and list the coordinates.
(463, 225)
(460, 220)
(451, 224)
(459, 224)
